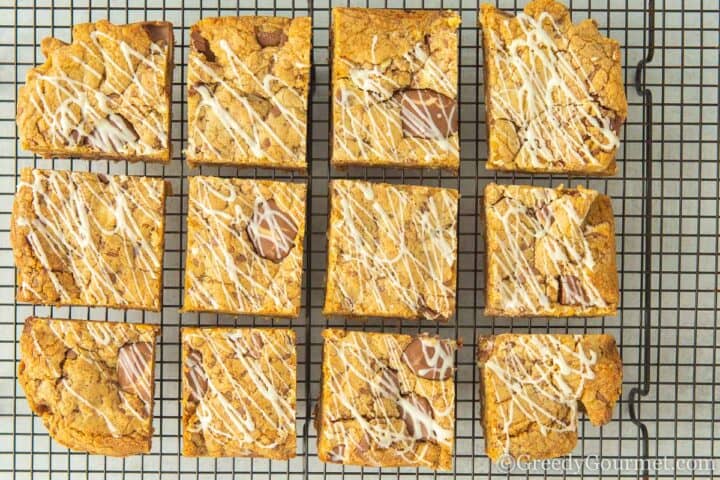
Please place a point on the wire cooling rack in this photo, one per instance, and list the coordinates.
(666, 206)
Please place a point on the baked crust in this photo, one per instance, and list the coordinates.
(105, 95)
(239, 392)
(532, 386)
(387, 400)
(225, 271)
(394, 88)
(392, 251)
(91, 383)
(248, 84)
(554, 92)
(82, 238)
(550, 252)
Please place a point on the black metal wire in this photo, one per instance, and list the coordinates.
(666, 207)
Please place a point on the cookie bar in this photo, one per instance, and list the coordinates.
(245, 246)
(91, 383)
(105, 95)
(554, 92)
(550, 252)
(248, 83)
(238, 396)
(394, 88)
(531, 386)
(392, 251)
(387, 400)
(83, 238)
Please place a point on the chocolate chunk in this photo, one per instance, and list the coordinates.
(388, 383)
(201, 45)
(271, 231)
(544, 215)
(430, 358)
(133, 369)
(112, 133)
(427, 312)
(427, 114)
(70, 355)
(158, 32)
(270, 38)
(103, 178)
(417, 413)
(250, 346)
(337, 454)
(572, 291)
(195, 376)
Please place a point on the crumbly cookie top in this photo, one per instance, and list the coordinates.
(248, 83)
(92, 377)
(395, 84)
(106, 91)
(240, 385)
(387, 395)
(96, 238)
(393, 248)
(244, 234)
(555, 88)
(549, 247)
(536, 382)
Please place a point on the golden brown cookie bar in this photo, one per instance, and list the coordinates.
(105, 95)
(550, 252)
(394, 88)
(554, 92)
(245, 246)
(387, 400)
(392, 251)
(83, 238)
(248, 83)
(531, 386)
(238, 392)
(91, 383)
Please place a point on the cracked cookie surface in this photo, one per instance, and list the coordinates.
(386, 400)
(532, 386)
(239, 392)
(83, 238)
(554, 92)
(392, 251)
(105, 95)
(91, 383)
(248, 84)
(245, 246)
(549, 252)
(394, 88)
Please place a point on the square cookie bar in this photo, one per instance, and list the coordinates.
(392, 251)
(394, 88)
(105, 95)
(387, 400)
(248, 83)
(91, 383)
(245, 246)
(554, 92)
(550, 252)
(83, 238)
(238, 396)
(532, 385)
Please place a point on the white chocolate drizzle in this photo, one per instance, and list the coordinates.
(382, 423)
(559, 236)
(371, 133)
(543, 89)
(81, 112)
(252, 138)
(60, 224)
(535, 369)
(227, 410)
(414, 275)
(245, 281)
